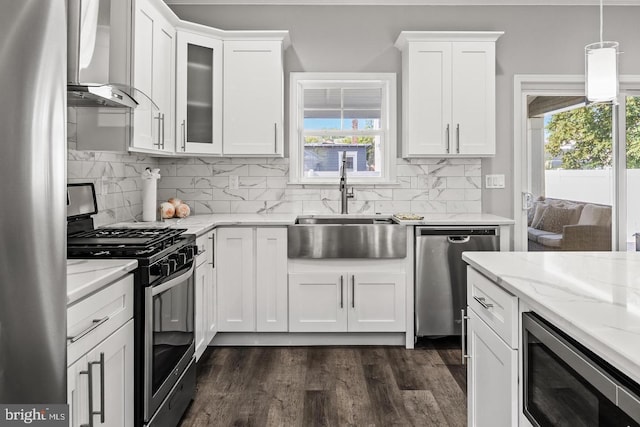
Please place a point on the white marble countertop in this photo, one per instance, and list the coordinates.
(85, 276)
(592, 296)
(200, 224)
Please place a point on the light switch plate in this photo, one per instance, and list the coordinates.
(494, 181)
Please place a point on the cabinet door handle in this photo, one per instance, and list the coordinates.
(159, 119)
(213, 252)
(481, 301)
(163, 130)
(90, 392)
(341, 291)
(458, 138)
(448, 139)
(184, 136)
(463, 319)
(275, 138)
(353, 291)
(95, 323)
(101, 411)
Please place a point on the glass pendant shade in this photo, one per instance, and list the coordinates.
(601, 63)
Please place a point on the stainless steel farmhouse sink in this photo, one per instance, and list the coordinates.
(316, 236)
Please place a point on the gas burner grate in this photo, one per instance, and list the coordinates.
(118, 242)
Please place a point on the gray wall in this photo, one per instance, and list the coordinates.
(537, 40)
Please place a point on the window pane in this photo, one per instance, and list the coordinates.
(363, 98)
(360, 123)
(323, 156)
(633, 171)
(574, 178)
(322, 98)
(318, 123)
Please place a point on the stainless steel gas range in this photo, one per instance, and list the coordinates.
(164, 347)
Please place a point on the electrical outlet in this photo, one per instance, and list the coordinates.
(233, 182)
(494, 181)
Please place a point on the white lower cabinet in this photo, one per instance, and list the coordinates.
(107, 370)
(202, 284)
(252, 279)
(100, 357)
(346, 302)
(492, 366)
(206, 323)
(492, 361)
(317, 302)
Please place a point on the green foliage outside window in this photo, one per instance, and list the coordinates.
(583, 136)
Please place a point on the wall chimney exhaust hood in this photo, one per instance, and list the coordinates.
(99, 54)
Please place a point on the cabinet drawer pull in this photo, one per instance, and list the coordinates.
(95, 324)
(481, 301)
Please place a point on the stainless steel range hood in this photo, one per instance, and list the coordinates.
(99, 54)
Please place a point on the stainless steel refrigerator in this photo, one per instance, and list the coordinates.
(32, 201)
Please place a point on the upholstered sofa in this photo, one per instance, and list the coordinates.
(566, 225)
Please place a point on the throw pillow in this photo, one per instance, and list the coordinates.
(539, 211)
(595, 215)
(553, 219)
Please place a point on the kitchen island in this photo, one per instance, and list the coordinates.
(590, 298)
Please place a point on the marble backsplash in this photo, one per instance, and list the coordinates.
(119, 193)
(424, 185)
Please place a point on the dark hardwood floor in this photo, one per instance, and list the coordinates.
(331, 386)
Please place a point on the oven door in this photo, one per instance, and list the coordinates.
(568, 386)
(169, 343)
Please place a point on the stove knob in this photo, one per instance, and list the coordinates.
(182, 259)
(165, 268)
(173, 265)
(191, 252)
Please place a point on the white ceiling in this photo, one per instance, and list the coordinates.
(414, 2)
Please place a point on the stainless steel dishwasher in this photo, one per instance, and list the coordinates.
(441, 275)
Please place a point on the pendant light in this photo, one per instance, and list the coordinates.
(601, 68)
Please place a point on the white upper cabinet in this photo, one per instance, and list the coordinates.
(448, 91)
(154, 74)
(253, 98)
(198, 94)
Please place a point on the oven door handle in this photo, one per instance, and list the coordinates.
(155, 290)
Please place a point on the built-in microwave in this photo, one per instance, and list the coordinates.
(565, 384)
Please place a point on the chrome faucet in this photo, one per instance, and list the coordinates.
(344, 193)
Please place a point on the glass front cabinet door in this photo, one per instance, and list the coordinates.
(199, 94)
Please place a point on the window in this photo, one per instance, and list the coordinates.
(342, 116)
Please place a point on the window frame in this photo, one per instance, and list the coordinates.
(387, 132)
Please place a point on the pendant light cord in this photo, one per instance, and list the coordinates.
(601, 38)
